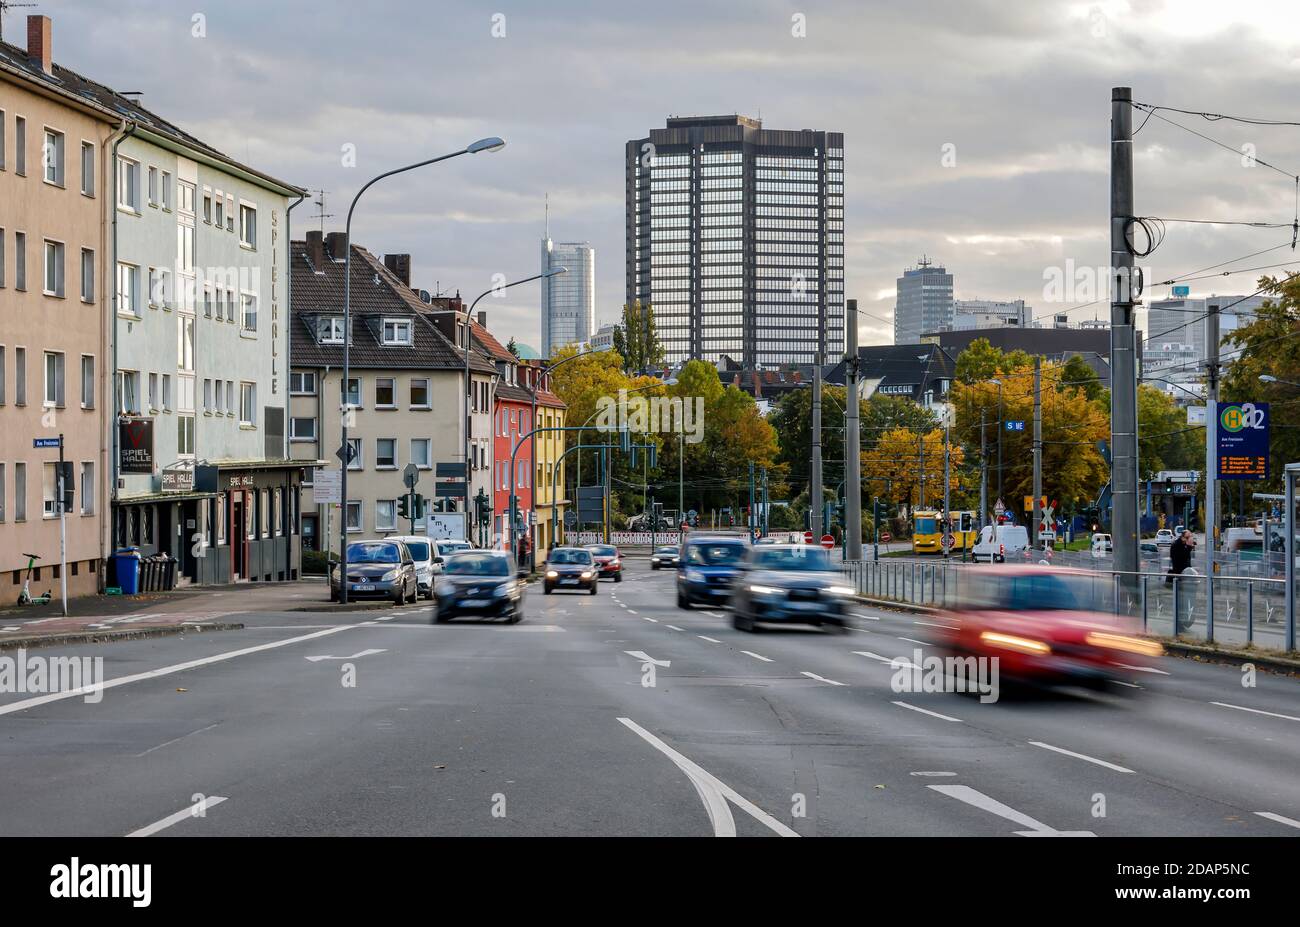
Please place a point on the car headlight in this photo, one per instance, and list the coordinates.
(389, 576)
(1015, 642)
(551, 574)
(587, 575)
(841, 590)
(1125, 643)
(503, 590)
(764, 590)
(694, 576)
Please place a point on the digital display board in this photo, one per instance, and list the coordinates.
(1242, 450)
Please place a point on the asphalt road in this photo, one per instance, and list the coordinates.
(548, 728)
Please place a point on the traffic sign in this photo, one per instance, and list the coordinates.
(411, 475)
(886, 536)
(999, 508)
(346, 453)
(828, 541)
(807, 537)
(949, 540)
(46, 442)
(1016, 426)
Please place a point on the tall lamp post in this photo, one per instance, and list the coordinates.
(484, 144)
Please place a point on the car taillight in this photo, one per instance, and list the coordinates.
(1002, 550)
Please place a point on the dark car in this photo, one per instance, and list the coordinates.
(790, 584)
(706, 568)
(377, 570)
(665, 557)
(570, 568)
(609, 563)
(481, 583)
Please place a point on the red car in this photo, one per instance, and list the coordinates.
(608, 561)
(1046, 626)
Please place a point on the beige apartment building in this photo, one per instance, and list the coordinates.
(403, 395)
(54, 146)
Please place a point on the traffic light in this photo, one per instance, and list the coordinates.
(966, 519)
(1169, 486)
(419, 505)
(404, 507)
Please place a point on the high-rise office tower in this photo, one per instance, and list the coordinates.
(735, 235)
(569, 299)
(924, 302)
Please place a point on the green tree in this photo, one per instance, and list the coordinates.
(636, 339)
(513, 348)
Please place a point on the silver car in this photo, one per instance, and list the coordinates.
(789, 584)
(377, 570)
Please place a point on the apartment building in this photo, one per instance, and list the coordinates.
(404, 395)
(54, 145)
(548, 448)
(512, 458)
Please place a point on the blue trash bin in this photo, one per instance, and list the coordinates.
(127, 563)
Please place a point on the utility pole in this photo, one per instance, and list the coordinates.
(1211, 460)
(984, 476)
(815, 475)
(947, 512)
(750, 515)
(62, 490)
(1036, 524)
(852, 441)
(1123, 347)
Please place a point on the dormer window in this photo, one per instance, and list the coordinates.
(331, 329)
(397, 331)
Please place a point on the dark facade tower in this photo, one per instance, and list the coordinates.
(735, 234)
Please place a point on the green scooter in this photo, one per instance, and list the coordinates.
(25, 597)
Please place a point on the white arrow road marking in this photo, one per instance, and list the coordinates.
(1257, 711)
(1277, 817)
(926, 711)
(993, 806)
(1143, 669)
(209, 802)
(359, 653)
(756, 656)
(829, 682)
(712, 791)
(1081, 756)
(641, 655)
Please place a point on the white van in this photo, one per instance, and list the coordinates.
(998, 542)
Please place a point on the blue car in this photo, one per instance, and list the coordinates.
(706, 569)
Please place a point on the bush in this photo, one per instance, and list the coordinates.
(314, 563)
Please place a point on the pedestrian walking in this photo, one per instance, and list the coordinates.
(1180, 560)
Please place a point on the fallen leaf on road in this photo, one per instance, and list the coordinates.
(880, 786)
(182, 690)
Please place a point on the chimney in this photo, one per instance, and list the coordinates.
(316, 251)
(335, 243)
(40, 47)
(482, 318)
(400, 265)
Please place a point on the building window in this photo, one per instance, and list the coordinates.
(153, 392)
(54, 268)
(54, 379)
(20, 260)
(353, 515)
(397, 331)
(128, 289)
(87, 275)
(385, 390)
(248, 312)
(207, 206)
(153, 186)
(20, 491)
(185, 435)
(420, 393)
(247, 225)
(166, 190)
(302, 429)
(87, 381)
(49, 491)
(2, 466)
(88, 168)
(230, 213)
(385, 514)
(128, 392)
(331, 330)
(128, 184)
(2, 231)
(302, 383)
(2, 374)
(20, 146)
(87, 487)
(248, 403)
(207, 301)
(221, 210)
(386, 453)
(20, 376)
(2, 140)
(52, 157)
(207, 395)
(357, 462)
(277, 513)
(421, 453)
(230, 305)
(352, 395)
(167, 392)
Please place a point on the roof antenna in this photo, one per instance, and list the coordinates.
(321, 214)
(546, 222)
(5, 7)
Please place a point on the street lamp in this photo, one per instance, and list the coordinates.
(1269, 378)
(484, 144)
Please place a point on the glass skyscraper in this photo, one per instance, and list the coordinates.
(735, 235)
(568, 300)
(924, 303)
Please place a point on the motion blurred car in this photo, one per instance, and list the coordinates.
(481, 583)
(421, 549)
(609, 563)
(444, 549)
(790, 584)
(706, 568)
(377, 570)
(664, 557)
(1045, 626)
(570, 568)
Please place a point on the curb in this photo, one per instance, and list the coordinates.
(104, 637)
(1204, 653)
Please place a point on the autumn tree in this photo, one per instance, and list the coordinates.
(900, 464)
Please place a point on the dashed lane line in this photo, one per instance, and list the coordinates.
(926, 711)
(829, 682)
(1081, 756)
(756, 656)
(197, 810)
(1257, 711)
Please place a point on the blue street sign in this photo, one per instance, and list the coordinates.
(1182, 291)
(1242, 450)
(1015, 426)
(45, 442)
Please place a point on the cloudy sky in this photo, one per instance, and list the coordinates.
(1020, 90)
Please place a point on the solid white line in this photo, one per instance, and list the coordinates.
(985, 803)
(926, 711)
(1131, 685)
(931, 624)
(900, 661)
(711, 640)
(1271, 714)
(756, 656)
(867, 617)
(934, 772)
(714, 614)
(209, 802)
(711, 790)
(1277, 817)
(673, 626)
(829, 682)
(644, 658)
(164, 671)
(1081, 756)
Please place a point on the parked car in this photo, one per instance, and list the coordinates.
(570, 568)
(421, 549)
(481, 583)
(997, 542)
(1103, 541)
(706, 568)
(664, 557)
(609, 563)
(790, 584)
(444, 549)
(1164, 537)
(377, 570)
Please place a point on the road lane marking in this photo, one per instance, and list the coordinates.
(1289, 822)
(829, 682)
(711, 640)
(641, 655)
(926, 711)
(673, 626)
(913, 640)
(201, 808)
(355, 656)
(934, 772)
(712, 791)
(756, 656)
(1143, 669)
(655, 620)
(1258, 711)
(892, 661)
(714, 614)
(979, 800)
(175, 739)
(26, 703)
(866, 616)
(931, 624)
(1081, 756)
(632, 612)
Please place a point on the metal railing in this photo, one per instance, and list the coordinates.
(1248, 610)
